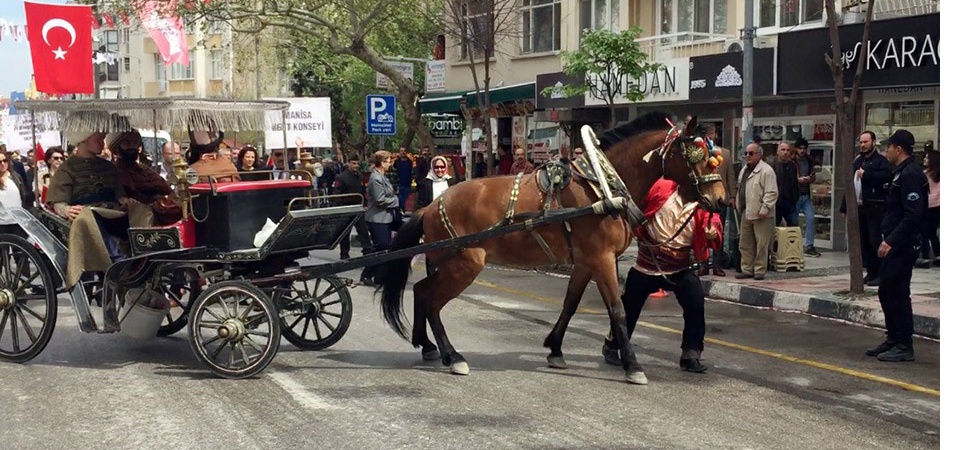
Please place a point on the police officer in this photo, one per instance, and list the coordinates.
(905, 207)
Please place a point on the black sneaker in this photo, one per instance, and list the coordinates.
(881, 348)
(810, 251)
(898, 353)
(692, 365)
(874, 282)
(611, 355)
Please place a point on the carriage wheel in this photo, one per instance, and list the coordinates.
(28, 300)
(234, 329)
(316, 313)
(181, 291)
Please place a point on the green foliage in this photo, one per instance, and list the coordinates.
(606, 58)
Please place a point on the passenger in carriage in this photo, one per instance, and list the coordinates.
(142, 183)
(248, 159)
(87, 193)
(204, 158)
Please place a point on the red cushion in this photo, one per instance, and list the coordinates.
(243, 186)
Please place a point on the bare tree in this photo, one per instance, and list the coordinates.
(847, 105)
(478, 27)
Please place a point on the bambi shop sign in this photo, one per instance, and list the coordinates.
(668, 83)
(447, 126)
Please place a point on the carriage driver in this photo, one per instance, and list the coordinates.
(673, 230)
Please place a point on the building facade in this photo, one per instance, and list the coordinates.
(699, 45)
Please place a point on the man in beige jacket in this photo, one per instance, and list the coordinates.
(756, 203)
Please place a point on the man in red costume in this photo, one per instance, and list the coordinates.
(673, 230)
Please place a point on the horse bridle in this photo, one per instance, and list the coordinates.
(693, 155)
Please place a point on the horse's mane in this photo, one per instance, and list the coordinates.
(651, 121)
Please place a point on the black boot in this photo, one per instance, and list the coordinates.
(691, 361)
(881, 348)
(611, 354)
(898, 353)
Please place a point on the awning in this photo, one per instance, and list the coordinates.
(442, 103)
(514, 93)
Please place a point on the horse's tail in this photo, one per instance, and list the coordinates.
(396, 275)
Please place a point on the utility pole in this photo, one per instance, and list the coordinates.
(748, 36)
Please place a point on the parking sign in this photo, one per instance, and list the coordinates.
(381, 115)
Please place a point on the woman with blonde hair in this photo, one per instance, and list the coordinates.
(382, 215)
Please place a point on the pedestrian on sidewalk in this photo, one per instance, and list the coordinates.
(808, 167)
(788, 186)
(756, 201)
(930, 237)
(403, 167)
(727, 172)
(665, 243)
(905, 207)
(349, 182)
(871, 176)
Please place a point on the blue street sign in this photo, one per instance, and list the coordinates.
(381, 115)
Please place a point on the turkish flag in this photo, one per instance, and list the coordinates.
(61, 47)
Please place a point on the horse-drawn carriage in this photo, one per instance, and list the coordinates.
(237, 296)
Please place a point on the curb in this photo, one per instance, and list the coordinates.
(817, 306)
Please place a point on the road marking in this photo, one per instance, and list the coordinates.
(299, 393)
(745, 348)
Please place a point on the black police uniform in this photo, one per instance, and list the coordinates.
(905, 208)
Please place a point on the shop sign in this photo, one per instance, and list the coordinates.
(669, 83)
(902, 52)
(558, 100)
(435, 76)
(447, 126)
(718, 77)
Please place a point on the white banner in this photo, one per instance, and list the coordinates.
(307, 124)
(405, 69)
(670, 83)
(17, 133)
(435, 76)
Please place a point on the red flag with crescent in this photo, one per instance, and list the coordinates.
(61, 47)
(167, 30)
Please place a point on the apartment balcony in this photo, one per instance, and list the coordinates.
(889, 9)
(685, 44)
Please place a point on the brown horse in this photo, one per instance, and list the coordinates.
(595, 240)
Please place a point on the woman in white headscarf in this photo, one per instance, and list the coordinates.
(435, 183)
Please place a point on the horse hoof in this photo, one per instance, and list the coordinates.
(557, 362)
(431, 355)
(637, 378)
(460, 368)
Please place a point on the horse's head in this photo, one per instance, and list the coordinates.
(690, 160)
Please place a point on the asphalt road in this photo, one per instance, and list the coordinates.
(775, 381)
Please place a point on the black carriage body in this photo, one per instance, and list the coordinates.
(230, 214)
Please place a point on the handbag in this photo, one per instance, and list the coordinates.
(397, 218)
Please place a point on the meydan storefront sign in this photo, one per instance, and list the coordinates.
(445, 125)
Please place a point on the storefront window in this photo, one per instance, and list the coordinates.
(919, 117)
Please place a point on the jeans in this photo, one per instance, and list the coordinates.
(805, 206)
(786, 210)
(403, 191)
(381, 241)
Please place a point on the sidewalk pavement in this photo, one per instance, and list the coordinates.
(820, 290)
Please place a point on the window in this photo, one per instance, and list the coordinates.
(126, 64)
(111, 41)
(161, 71)
(789, 13)
(217, 68)
(541, 20)
(694, 16)
(179, 72)
(599, 15)
(478, 32)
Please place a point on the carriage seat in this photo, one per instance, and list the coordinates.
(229, 214)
